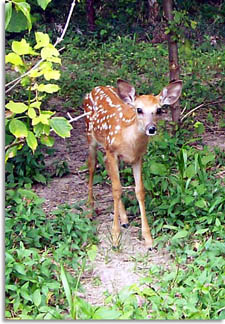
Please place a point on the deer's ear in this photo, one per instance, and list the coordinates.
(126, 91)
(170, 94)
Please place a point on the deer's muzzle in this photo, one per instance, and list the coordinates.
(150, 130)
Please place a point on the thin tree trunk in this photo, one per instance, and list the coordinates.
(173, 57)
(91, 15)
(153, 13)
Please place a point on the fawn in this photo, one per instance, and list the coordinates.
(122, 122)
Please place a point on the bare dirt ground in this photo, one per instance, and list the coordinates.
(111, 271)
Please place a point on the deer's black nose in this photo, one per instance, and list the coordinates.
(150, 130)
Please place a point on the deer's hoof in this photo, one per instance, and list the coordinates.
(125, 225)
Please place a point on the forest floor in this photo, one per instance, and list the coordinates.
(111, 270)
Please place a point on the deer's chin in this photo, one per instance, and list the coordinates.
(150, 134)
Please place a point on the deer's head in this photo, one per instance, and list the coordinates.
(148, 107)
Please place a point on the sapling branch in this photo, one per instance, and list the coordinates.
(71, 119)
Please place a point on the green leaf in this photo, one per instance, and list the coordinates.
(16, 107)
(22, 47)
(20, 268)
(10, 153)
(215, 203)
(29, 194)
(36, 297)
(8, 13)
(61, 126)
(31, 113)
(92, 252)
(217, 222)
(49, 88)
(24, 7)
(180, 234)
(40, 178)
(18, 128)
(14, 59)
(51, 74)
(66, 288)
(54, 59)
(43, 3)
(106, 314)
(26, 81)
(200, 128)
(25, 294)
(188, 199)
(201, 189)
(202, 231)
(42, 40)
(35, 73)
(48, 52)
(148, 292)
(157, 168)
(170, 227)
(193, 24)
(208, 158)
(47, 140)
(18, 23)
(200, 203)
(36, 104)
(44, 119)
(190, 171)
(31, 141)
(36, 121)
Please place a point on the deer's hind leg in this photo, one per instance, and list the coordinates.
(123, 215)
(91, 166)
(122, 211)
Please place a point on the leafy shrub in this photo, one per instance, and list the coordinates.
(27, 167)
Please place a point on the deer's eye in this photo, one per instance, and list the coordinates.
(158, 111)
(165, 106)
(139, 111)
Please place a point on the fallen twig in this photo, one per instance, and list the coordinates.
(200, 106)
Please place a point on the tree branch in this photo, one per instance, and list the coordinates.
(13, 144)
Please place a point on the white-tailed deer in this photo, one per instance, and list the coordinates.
(122, 122)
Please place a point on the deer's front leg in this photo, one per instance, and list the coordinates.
(112, 168)
(140, 194)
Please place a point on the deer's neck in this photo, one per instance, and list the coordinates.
(134, 143)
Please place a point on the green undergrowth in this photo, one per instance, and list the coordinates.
(35, 246)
